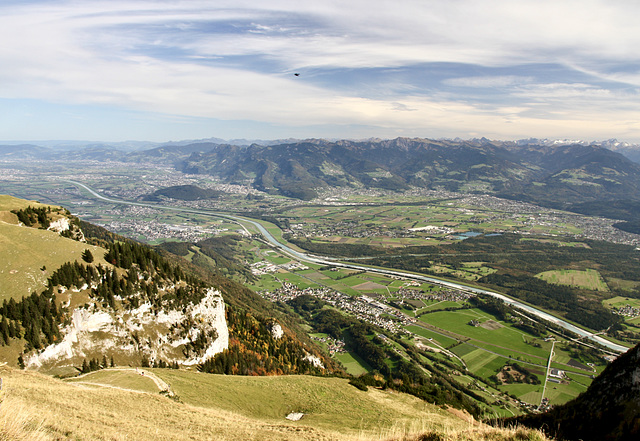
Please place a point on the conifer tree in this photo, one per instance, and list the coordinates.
(4, 330)
(87, 256)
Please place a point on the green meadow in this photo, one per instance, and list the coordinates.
(587, 279)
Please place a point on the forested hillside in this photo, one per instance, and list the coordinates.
(84, 300)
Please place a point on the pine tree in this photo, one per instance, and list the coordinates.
(87, 256)
(4, 330)
(13, 330)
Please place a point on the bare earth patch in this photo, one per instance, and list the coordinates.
(491, 325)
(366, 286)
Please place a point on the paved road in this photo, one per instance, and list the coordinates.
(546, 377)
(327, 261)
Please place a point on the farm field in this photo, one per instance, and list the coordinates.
(492, 331)
(620, 302)
(352, 363)
(587, 279)
(436, 305)
(441, 339)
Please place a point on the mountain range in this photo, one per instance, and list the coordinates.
(565, 175)
(558, 176)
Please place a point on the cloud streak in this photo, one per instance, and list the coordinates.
(463, 68)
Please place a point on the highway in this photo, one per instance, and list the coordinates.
(327, 261)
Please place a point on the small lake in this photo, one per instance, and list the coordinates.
(467, 235)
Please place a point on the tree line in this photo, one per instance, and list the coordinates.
(31, 216)
(36, 318)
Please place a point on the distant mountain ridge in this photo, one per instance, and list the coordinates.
(554, 175)
(630, 150)
(559, 174)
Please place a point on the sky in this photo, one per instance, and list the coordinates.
(172, 70)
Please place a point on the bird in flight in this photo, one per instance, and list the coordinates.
(297, 74)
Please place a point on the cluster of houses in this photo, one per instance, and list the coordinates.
(333, 346)
(445, 294)
(152, 230)
(627, 311)
(264, 267)
(363, 307)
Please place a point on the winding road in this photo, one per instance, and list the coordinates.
(327, 261)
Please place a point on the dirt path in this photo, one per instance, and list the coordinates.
(161, 384)
(84, 384)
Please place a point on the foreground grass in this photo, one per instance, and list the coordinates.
(17, 423)
(66, 411)
(37, 407)
(479, 434)
(322, 400)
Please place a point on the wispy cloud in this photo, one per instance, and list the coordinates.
(510, 69)
(488, 82)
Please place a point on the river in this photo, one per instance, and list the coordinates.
(326, 261)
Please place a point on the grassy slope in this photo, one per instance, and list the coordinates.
(221, 408)
(26, 250)
(125, 379)
(68, 411)
(323, 400)
(8, 203)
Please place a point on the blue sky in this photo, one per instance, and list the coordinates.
(169, 70)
